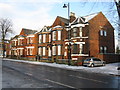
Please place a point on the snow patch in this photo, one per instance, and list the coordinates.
(107, 69)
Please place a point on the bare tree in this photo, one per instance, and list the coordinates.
(118, 6)
(5, 29)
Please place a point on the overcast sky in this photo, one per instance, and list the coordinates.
(34, 14)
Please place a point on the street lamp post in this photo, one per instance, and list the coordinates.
(69, 33)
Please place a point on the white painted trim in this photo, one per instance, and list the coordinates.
(78, 25)
(30, 47)
(49, 52)
(74, 58)
(44, 51)
(59, 49)
(79, 55)
(40, 38)
(44, 38)
(20, 38)
(66, 40)
(75, 43)
(14, 40)
(31, 36)
(20, 48)
(79, 37)
(14, 49)
(59, 35)
(75, 38)
(79, 42)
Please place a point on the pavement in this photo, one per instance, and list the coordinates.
(109, 69)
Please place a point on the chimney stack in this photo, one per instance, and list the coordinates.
(72, 17)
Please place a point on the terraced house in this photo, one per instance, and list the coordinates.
(24, 45)
(88, 36)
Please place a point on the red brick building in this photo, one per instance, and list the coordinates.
(93, 36)
(90, 36)
(24, 45)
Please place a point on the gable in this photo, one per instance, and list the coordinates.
(100, 17)
(60, 21)
(22, 32)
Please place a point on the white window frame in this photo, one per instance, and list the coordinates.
(101, 32)
(81, 48)
(44, 38)
(40, 38)
(39, 50)
(54, 50)
(105, 49)
(15, 43)
(49, 52)
(31, 51)
(101, 49)
(105, 33)
(44, 53)
(54, 35)
(80, 32)
(59, 49)
(65, 53)
(59, 35)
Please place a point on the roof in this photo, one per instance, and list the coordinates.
(15, 37)
(21, 36)
(29, 31)
(78, 20)
(84, 19)
(45, 29)
(66, 21)
(58, 26)
(89, 17)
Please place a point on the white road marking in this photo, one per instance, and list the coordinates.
(29, 74)
(88, 79)
(60, 83)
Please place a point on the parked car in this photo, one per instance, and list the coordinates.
(91, 62)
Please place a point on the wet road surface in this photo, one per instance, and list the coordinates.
(23, 75)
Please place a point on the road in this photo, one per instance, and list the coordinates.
(23, 75)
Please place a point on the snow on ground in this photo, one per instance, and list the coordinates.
(107, 69)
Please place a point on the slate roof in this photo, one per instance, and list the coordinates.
(84, 19)
(15, 37)
(29, 31)
(66, 21)
(89, 17)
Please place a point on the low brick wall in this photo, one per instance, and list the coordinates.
(109, 58)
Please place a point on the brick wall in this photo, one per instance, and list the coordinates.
(96, 24)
